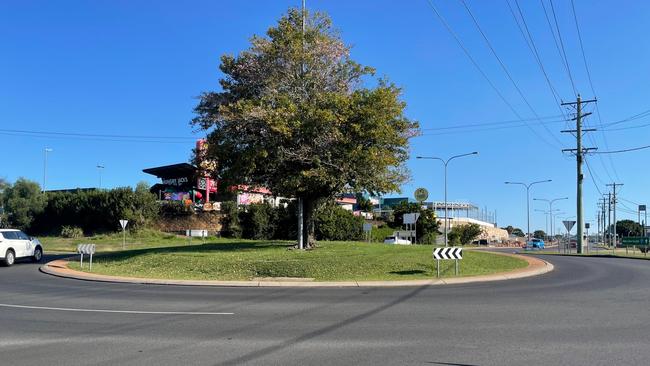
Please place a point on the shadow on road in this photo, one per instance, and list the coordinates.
(319, 332)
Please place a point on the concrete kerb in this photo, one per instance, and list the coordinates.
(535, 267)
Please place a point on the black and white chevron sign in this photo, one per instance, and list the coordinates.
(448, 253)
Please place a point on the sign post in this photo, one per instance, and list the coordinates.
(568, 224)
(86, 249)
(447, 253)
(123, 223)
(367, 230)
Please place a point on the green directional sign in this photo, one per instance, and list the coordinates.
(635, 241)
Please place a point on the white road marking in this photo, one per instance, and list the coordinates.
(111, 311)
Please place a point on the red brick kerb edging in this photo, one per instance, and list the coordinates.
(535, 267)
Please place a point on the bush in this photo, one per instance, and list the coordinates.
(230, 227)
(258, 221)
(72, 232)
(97, 211)
(464, 234)
(335, 223)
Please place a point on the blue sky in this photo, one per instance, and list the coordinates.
(135, 67)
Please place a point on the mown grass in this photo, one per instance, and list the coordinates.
(224, 259)
(113, 242)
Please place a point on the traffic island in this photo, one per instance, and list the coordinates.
(331, 265)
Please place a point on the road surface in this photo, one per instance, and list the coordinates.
(589, 311)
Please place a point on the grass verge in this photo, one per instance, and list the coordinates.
(226, 259)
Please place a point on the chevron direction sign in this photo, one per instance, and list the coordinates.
(448, 253)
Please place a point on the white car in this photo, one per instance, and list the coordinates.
(16, 244)
(396, 240)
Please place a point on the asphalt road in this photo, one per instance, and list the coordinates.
(589, 311)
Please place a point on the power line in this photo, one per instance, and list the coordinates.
(593, 91)
(482, 129)
(476, 65)
(76, 134)
(505, 69)
(530, 42)
(492, 123)
(591, 175)
(91, 138)
(559, 35)
(622, 151)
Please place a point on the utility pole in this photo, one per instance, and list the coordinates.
(579, 151)
(609, 219)
(614, 185)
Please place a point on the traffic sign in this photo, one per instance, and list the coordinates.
(123, 223)
(410, 218)
(568, 224)
(448, 253)
(421, 194)
(631, 241)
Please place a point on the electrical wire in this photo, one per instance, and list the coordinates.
(530, 42)
(591, 175)
(505, 69)
(490, 123)
(75, 134)
(623, 150)
(476, 65)
(559, 34)
(593, 91)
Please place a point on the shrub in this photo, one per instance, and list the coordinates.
(335, 223)
(72, 232)
(464, 234)
(230, 226)
(258, 221)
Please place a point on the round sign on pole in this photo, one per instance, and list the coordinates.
(421, 194)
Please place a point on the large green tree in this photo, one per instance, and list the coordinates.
(22, 202)
(295, 115)
(628, 228)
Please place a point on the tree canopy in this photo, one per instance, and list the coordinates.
(294, 116)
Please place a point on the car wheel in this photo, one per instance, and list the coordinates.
(38, 255)
(10, 258)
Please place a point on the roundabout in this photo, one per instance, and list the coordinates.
(588, 311)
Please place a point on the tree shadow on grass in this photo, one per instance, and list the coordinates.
(207, 247)
(408, 272)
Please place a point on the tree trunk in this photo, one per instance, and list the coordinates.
(308, 234)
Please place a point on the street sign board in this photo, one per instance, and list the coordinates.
(86, 248)
(641, 207)
(587, 225)
(568, 224)
(632, 241)
(410, 218)
(421, 194)
(123, 223)
(367, 227)
(448, 253)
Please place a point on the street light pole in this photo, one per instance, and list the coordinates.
(528, 200)
(446, 162)
(99, 168)
(550, 207)
(45, 151)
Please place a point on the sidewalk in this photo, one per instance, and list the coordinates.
(535, 267)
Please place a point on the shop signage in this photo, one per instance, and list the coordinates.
(175, 181)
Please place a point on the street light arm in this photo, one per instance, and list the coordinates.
(461, 155)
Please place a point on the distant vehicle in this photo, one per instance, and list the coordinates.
(396, 240)
(535, 244)
(15, 244)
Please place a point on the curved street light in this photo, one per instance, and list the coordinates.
(550, 208)
(446, 162)
(528, 185)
